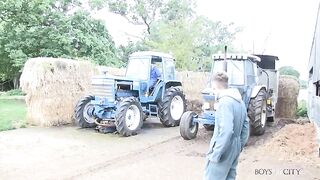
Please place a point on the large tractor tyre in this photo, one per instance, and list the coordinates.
(172, 107)
(208, 127)
(82, 113)
(129, 117)
(257, 112)
(188, 128)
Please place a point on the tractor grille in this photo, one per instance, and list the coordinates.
(103, 87)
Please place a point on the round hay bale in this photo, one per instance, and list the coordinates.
(53, 87)
(288, 92)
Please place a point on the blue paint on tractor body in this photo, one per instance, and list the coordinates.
(245, 88)
(115, 88)
(206, 118)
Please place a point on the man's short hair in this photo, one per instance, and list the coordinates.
(221, 78)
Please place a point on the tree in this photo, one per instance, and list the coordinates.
(288, 70)
(138, 12)
(303, 84)
(190, 38)
(174, 27)
(50, 28)
(125, 50)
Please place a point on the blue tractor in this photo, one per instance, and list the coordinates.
(125, 102)
(256, 79)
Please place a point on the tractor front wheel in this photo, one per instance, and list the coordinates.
(129, 117)
(83, 113)
(257, 113)
(188, 128)
(172, 107)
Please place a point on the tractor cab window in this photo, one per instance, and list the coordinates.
(169, 69)
(138, 68)
(235, 71)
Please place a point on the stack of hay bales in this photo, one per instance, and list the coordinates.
(111, 71)
(116, 71)
(288, 92)
(193, 83)
(53, 87)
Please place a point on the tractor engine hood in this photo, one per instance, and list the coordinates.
(114, 78)
(112, 83)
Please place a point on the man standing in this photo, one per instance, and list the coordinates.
(231, 131)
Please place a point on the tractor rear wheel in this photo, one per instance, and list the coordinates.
(188, 128)
(172, 106)
(257, 112)
(83, 110)
(129, 117)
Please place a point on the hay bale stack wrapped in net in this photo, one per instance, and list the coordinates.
(288, 92)
(53, 87)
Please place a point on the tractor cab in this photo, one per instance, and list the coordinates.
(242, 71)
(139, 65)
(151, 70)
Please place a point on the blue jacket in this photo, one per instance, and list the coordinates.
(231, 130)
(155, 74)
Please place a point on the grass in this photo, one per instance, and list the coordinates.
(12, 114)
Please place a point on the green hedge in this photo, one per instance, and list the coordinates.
(302, 109)
(14, 92)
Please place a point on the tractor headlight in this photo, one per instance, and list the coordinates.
(269, 101)
(206, 106)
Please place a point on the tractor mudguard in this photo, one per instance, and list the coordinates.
(172, 84)
(256, 90)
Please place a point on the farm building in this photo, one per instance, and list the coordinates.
(314, 79)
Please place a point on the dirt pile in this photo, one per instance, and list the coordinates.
(287, 97)
(53, 87)
(294, 142)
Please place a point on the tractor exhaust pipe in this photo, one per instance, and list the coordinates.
(225, 59)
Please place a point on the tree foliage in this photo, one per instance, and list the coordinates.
(174, 27)
(289, 70)
(190, 38)
(138, 12)
(50, 28)
(125, 50)
(302, 110)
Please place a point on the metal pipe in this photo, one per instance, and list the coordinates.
(225, 59)
(268, 79)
